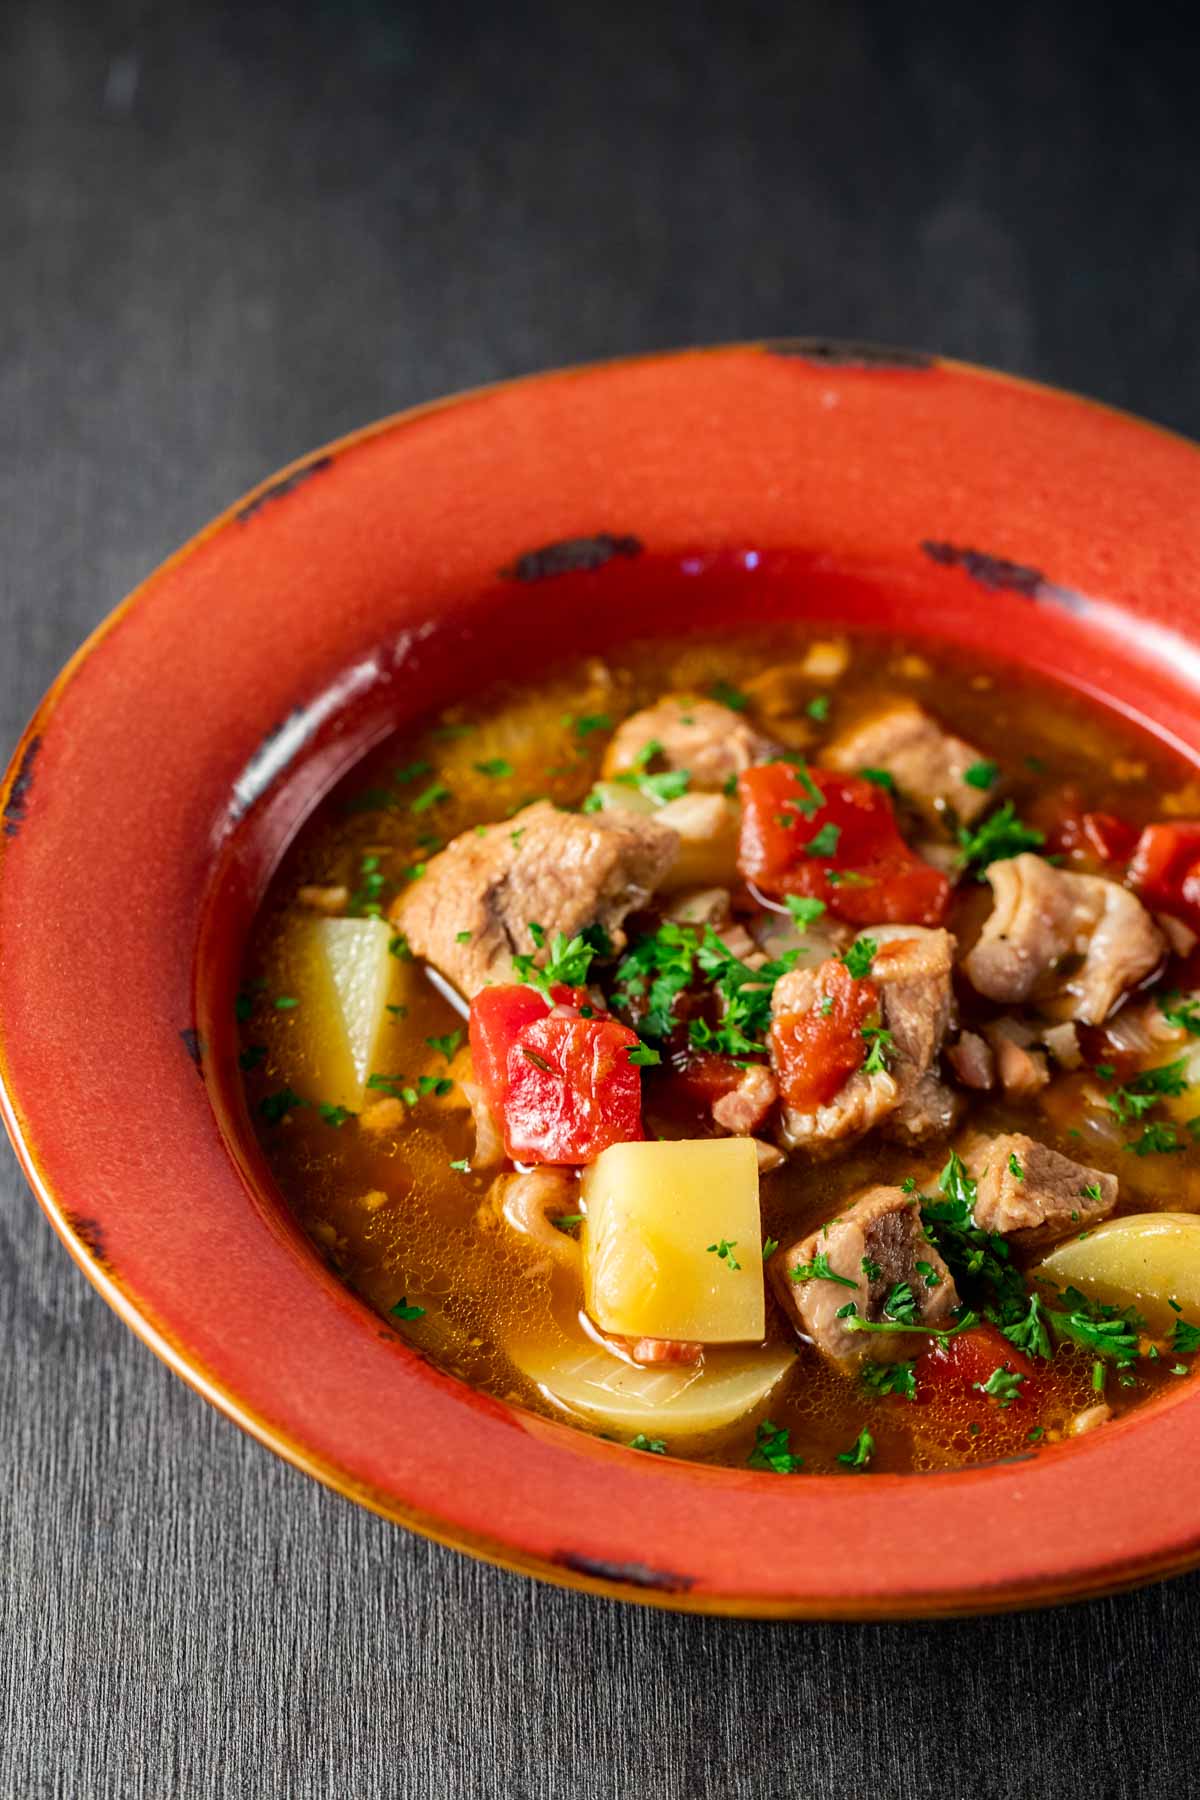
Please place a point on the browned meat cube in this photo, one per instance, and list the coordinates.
(927, 764)
(555, 869)
(745, 1108)
(1074, 943)
(710, 741)
(1030, 1192)
(874, 1246)
(912, 970)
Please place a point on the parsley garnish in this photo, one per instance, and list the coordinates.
(587, 723)
(724, 1252)
(860, 1452)
(901, 1304)
(496, 767)
(818, 708)
(461, 1166)
(890, 1378)
(655, 1446)
(433, 795)
(643, 1056)
(729, 696)
(1000, 836)
(859, 957)
(882, 778)
(566, 1222)
(769, 1248)
(850, 1316)
(1003, 1385)
(285, 1002)
(824, 842)
(278, 1105)
(1143, 1091)
(567, 964)
(402, 1310)
(771, 1450)
(398, 946)
(1185, 1338)
(881, 1042)
(1181, 1012)
(870, 1268)
(819, 1270)
(1157, 1140)
(803, 910)
(1014, 1167)
(1029, 1333)
(446, 1045)
(412, 770)
(981, 775)
(336, 1115)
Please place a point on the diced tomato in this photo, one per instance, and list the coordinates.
(571, 1090)
(498, 1017)
(834, 838)
(1165, 869)
(960, 1368)
(816, 1052)
(1097, 834)
(705, 1077)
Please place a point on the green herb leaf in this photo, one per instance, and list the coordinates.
(336, 1115)
(1003, 1385)
(802, 909)
(643, 1056)
(819, 1270)
(859, 958)
(724, 1253)
(402, 1310)
(771, 1451)
(881, 1379)
(860, 1452)
(1000, 836)
(655, 1446)
(495, 768)
(981, 775)
(729, 695)
(823, 842)
(446, 1046)
(881, 777)
(276, 1106)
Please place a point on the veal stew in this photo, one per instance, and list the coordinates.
(780, 1050)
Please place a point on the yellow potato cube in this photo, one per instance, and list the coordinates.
(672, 1243)
(1145, 1261)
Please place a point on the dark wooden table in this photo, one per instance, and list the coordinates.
(228, 233)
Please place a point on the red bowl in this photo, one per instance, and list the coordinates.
(163, 774)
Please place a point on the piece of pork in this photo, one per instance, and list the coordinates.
(711, 741)
(1073, 943)
(912, 971)
(1021, 1069)
(745, 1109)
(874, 1245)
(562, 871)
(927, 763)
(1032, 1193)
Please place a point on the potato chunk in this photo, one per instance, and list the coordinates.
(344, 978)
(1145, 1261)
(672, 1245)
(668, 1400)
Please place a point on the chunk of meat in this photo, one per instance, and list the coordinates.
(745, 1108)
(928, 764)
(1031, 1192)
(710, 741)
(909, 995)
(1021, 1069)
(972, 1061)
(1074, 943)
(562, 871)
(874, 1246)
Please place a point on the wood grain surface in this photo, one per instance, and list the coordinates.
(228, 233)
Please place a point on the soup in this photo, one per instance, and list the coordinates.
(780, 1050)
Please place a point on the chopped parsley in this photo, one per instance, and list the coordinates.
(411, 771)
(587, 723)
(901, 1304)
(336, 1115)
(446, 1046)
(495, 768)
(860, 1452)
(803, 910)
(724, 1252)
(880, 1042)
(1000, 836)
(928, 1274)
(1181, 1012)
(433, 795)
(859, 958)
(567, 964)
(655, 1446)
(981, 775)
(643, 1056)
(1029, 1333)
(276, 1106)
(1157, 1140)
(870, 1268)
(461, 1165)
(890, 1378)
(398, 946)
(819, 1270)
(818, 708)
(1185, 1338)
(463, 937)
(1143, 1091)
(402, 1310)
(567, 1222)
(771, 1451)
(730, 696)
(823, 842)
(1014, 1167)
(882, 778)
(769, 1248)
(285, 1002)
(1003, 1385)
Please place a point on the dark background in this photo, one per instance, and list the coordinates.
(230, 233)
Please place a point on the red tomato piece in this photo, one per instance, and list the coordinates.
(834, 838)
(961, 1367)
(498, 1017)
(1165, 869)
(571, 1090)
(816, 1052)
(1098, 834)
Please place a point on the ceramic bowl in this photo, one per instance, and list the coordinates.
(178, 752)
